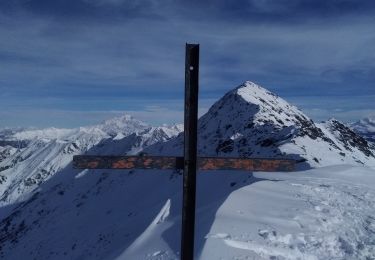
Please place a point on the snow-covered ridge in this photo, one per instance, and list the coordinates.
(136, 142)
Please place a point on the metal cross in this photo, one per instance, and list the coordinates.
(189, 162)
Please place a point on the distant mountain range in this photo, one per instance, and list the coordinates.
(43, 198)
(248, 121)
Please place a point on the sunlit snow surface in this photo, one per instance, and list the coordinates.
(325, 213)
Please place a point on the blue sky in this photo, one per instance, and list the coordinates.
(67, 63)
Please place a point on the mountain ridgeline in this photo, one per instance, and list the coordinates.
(248, 121)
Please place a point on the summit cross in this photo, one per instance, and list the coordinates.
(190, 162)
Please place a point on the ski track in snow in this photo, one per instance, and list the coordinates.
(268, 251)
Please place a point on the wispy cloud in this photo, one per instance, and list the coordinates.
(94, 55)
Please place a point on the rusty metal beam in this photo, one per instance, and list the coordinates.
(165, 162)
(126, 162)
(265, 165)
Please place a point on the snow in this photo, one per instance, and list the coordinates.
(324, 213)
(267, 101)
(147, 238)
(125, 125)
(119, 136)
(120, 126)
(325, 210)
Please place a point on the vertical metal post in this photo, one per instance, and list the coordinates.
(190, 150)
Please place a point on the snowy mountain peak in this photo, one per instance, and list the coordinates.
(251, 92)
(255, 94)
(250, 121)
(263, 105)
(125, 125)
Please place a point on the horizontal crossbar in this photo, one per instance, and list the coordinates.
(166, 162)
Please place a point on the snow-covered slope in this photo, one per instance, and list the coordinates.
(50, 150)
(326, 213)
(27, 168)
(366, 128)
(250, 121)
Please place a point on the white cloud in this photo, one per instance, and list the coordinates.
(142, 58)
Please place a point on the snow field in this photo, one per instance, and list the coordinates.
(301, 216)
